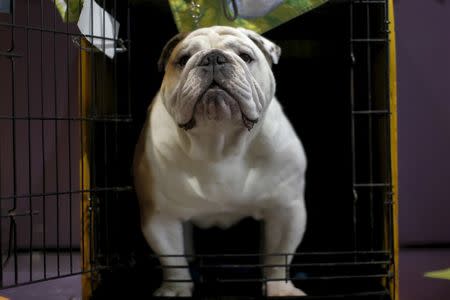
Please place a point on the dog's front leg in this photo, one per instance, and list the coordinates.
(165, 236)
(284, 228)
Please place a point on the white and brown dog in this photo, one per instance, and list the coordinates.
(216, 147)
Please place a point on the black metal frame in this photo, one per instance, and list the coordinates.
(103, 127)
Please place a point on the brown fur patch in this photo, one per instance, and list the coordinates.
(168, 48)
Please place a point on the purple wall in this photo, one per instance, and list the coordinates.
(423, 52)
(43, 161)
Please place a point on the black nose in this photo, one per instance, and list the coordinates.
(215, 57)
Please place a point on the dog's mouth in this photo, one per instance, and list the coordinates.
(248, 123)
(214, 85)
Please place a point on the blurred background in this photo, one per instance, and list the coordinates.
(423, 61)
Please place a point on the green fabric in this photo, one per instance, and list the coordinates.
(441, 274)
(69, 11)
(210, 13)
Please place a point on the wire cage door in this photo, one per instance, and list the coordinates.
(55, 99)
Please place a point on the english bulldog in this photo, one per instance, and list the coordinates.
(216, 147)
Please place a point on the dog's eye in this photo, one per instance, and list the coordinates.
(183, 60)
(245, 57)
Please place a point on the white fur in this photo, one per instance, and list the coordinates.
(217, 175)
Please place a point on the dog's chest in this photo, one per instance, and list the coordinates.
(216, 188)
(227, 185)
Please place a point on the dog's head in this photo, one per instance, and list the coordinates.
(218, 75)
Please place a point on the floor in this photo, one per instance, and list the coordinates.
(413, 285)
(413, 264)
(67, 288)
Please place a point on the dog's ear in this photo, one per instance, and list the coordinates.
(271, 51)
(168, 48)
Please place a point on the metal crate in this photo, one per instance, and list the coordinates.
(78, 214)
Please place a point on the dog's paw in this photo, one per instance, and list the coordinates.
(282, 289)
(174, 289)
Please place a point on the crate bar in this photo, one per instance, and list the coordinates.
(353, 127)
(370, 121)
(30, 202)
(44, 198)
(370, 2)
(112, 119)
(115, 99)
(342, 253)
(56, 144)
(381, 112)
(85, 96)
(95, 190)
(93, 171)
(359, 1)
(13, 227)
(69, 139)
(392, 93)
(15, 214)
(54, 31)
(129, 57)
(303, 265)
(103, 104)
(10, 54)
(372, 185)
(81, 163)
(368, 40)
(313, 278)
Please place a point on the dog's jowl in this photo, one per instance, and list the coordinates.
(217, 147)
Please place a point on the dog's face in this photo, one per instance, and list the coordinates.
(218, 75)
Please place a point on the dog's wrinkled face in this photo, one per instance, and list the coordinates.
(218, 74)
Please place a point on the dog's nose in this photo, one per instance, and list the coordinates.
(214, 57)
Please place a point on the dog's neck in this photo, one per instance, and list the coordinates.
(215, 144)
(222, 143)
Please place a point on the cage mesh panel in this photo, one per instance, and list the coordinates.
(44, 119)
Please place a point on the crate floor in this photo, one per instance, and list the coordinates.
(241, 283)
(413, 286)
